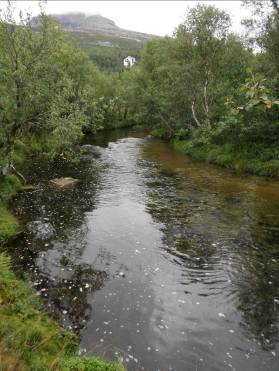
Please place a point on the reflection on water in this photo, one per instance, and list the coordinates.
(162, 262)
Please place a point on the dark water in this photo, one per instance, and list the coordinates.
(164, 263)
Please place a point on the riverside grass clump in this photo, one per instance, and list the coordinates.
(9, 226)
(29, 339)
(226, 156)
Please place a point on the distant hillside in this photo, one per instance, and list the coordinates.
(105, 42)
(97, 24)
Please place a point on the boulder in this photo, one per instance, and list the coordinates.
(64, 184)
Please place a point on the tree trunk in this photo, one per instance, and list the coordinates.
(194, 114)
(206, 108)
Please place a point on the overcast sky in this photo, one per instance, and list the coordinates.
(155, 17)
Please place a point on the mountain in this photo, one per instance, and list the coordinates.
(79, 22)
(105, 42)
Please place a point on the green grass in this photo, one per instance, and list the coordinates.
(9, 226)
(88, 364)
(29, 339)
(8, 188)
(241, 161)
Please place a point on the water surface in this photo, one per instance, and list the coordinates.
(154, 259)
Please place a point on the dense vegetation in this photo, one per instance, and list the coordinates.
(50, 91)
(211, 93)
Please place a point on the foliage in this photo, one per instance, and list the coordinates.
(49, 88)
(251, 116)
(206, 86)
(180, 82)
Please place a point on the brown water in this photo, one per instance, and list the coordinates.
(157, 260)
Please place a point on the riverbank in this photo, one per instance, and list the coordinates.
(30, 339)
(8, 224)
(225, 156)
(144, 223)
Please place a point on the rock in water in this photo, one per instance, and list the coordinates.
(63, 184)
(40, 229)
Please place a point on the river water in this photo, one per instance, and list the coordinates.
(153, 259)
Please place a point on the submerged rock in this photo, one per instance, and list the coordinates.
(63, 184)
(90, 151)
(41, 230)
(87, 148)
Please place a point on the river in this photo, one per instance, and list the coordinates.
(162, 262)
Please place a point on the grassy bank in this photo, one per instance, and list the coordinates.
(8, 223)
(258, 161)
(29, 339)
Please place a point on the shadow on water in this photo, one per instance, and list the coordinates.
(167, 263)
